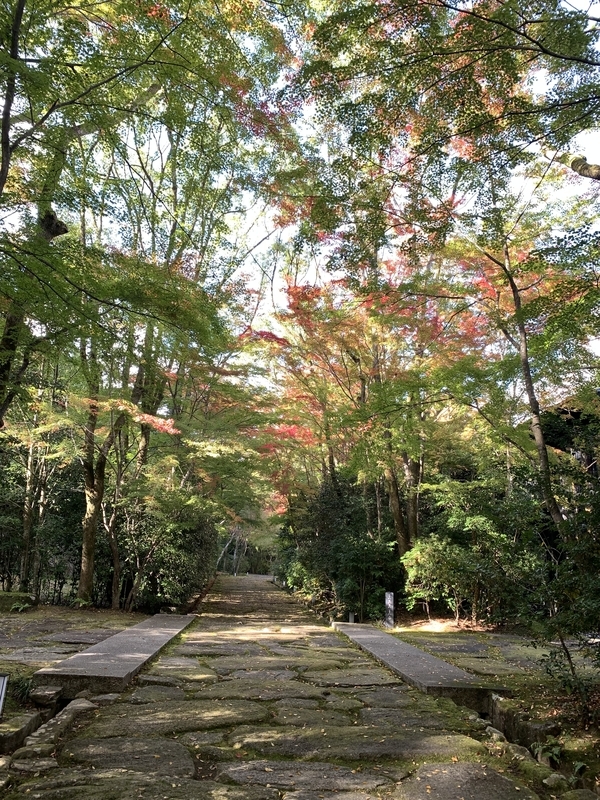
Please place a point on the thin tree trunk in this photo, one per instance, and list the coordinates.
(132, 596)
(110, 525)
(379, 508)
(10, 91)
(224, 550)
(412, 474)
(367, 507)
(28, 510)
(545, 472)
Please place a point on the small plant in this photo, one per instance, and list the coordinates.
(559, 665)
(579, 767)
(20, 607)
(548, 752)
(80, 603)
(20, 688)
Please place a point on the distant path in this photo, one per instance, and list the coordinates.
(262, 701)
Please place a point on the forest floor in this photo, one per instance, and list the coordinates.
(285, 685)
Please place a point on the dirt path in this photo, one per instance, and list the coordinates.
(258, 700)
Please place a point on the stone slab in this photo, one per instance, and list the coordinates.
(70, 784)
(370, 675)
(50, 731)
(259, 690)
(307, 794)
(33, 766)
(427, 673)
(488, 666)
(164, 718)
(306, 717)
(461, 782)
(417, 718)
(386, 697)
(15, 730)
(80, 637)
(228, 664)
(264, 674)
(355, 743)
(294, 774)
(154, 694)
(188, 669)
(150, 756)
(109, 666)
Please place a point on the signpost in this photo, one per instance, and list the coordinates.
(389, 610)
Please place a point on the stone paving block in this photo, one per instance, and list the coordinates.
(110, 665)
(307, 794)
(461, 782)
(33, 751)
(363, 676)
(14, 731)
(105, 699)
(226, 665)
(488, 666)
(46, 695)
(338, 702)
(186, 668)
(202, 738)
(163, 718)
(153, 694)
(259, 690)
(354, 743)
(387, 697)
(158, 680)
(150, 756)
(417, 718)
(39, 655)
(305, 717)
(50, 731)
(33, 766)
(70, 784)
(80, 637)
(294, 774)
(195, 645)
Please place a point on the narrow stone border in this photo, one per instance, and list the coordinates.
(425, 672)
(113, 663)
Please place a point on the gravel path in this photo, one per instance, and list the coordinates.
(258, 700)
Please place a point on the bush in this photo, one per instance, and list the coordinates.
(326, 552)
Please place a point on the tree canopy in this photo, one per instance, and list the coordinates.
(325, 275)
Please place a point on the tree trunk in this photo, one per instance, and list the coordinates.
(11, 336)
(396, 510)
(545, 472)
(94, 491)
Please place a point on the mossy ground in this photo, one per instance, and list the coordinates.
(26, 644)
(534, 691)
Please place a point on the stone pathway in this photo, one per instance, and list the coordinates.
(260, 701)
